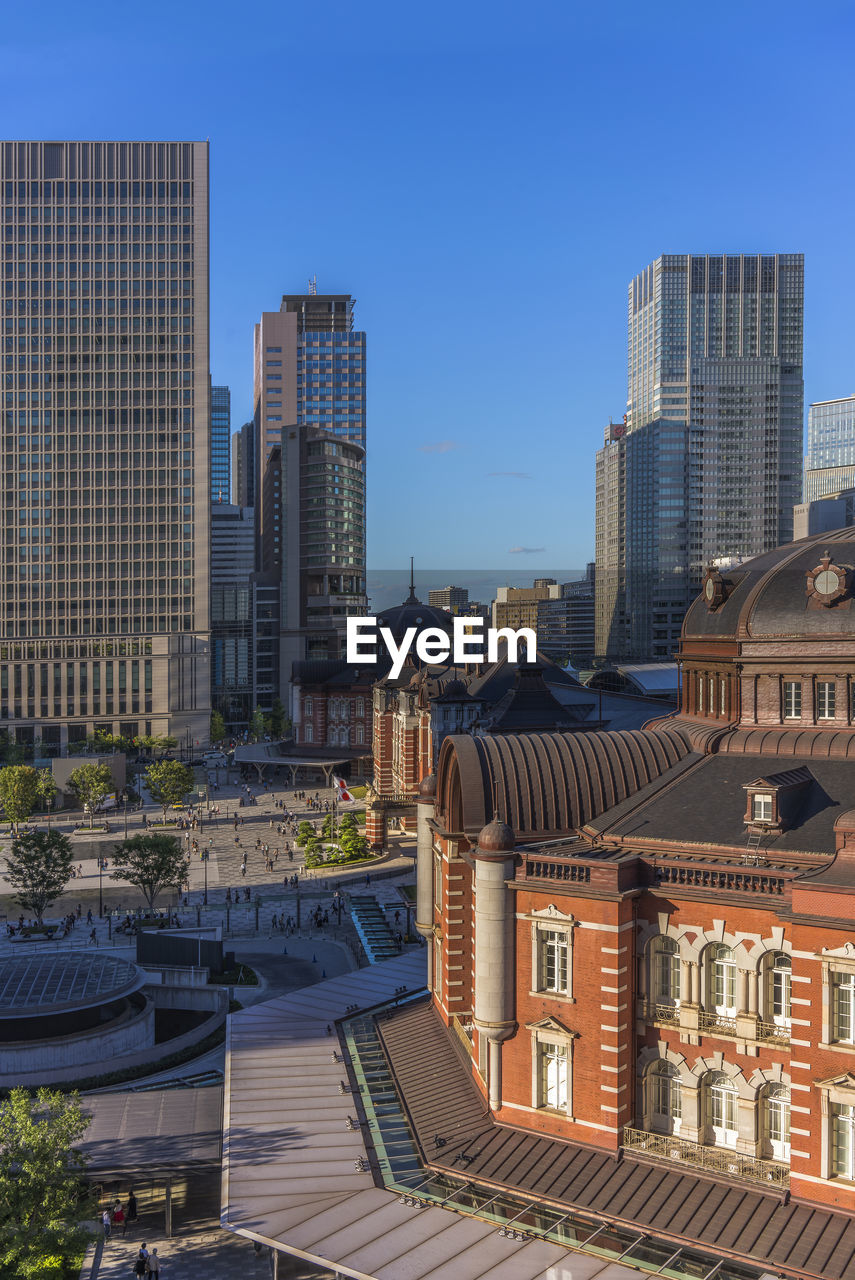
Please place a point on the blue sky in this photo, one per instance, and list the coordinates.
(485, 178)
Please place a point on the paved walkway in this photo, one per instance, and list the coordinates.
(212, 1255)
(223, 874)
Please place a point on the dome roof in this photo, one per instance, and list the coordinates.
(768, 597)
(427, 786)
(497, 837)
(453, 689)
(412, 613)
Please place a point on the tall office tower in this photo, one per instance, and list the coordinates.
(830, 460)
(232, 612)
(610, 622)
(243, 466)
(714, 428)
(221, 430)
(105, 482)
(310, 381)
(451, 598)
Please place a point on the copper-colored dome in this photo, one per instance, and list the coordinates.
(497, 837)
(427, 786)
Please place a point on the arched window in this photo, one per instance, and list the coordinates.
(775, 1117)
(664, 1097)
(665, 971)
(778, 984)
(721, 980)
(720, 1107)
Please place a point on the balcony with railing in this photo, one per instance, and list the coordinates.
(712, 1023)
(695, 1155)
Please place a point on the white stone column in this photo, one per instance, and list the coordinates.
(494, 958)
(425, 806)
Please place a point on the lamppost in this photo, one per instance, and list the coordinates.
(102, 867)
(204, 856)
(202, 794)
(49, 803)
(125, 797)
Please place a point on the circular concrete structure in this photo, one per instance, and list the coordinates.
(69, 1010)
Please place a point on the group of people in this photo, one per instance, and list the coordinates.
(147, 1262)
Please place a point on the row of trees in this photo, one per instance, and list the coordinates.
(39, 867)
(24, 789)
(97, 743)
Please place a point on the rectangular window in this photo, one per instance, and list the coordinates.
(554, 960)
(825, 691)
(842, 1146)
(762, 809)
(792, 699)
(554, 1076)
(700, 693)
(843, 1007)
(722, 692)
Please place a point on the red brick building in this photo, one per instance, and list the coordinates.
(645, 939)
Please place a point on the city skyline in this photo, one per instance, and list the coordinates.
(479, 186)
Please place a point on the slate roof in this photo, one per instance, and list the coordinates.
(721, 1216)
(705, 806)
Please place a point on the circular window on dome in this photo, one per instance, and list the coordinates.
(827, 583)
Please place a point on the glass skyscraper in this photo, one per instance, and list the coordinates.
(105, 478)
(310, 417)
(712, 453)
(831, 434)
(221, 430)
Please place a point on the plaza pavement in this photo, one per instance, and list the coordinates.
(208, 1255)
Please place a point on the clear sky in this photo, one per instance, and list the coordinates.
(485, 178)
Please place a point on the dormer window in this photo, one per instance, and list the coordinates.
(761, 809)
(772, 803)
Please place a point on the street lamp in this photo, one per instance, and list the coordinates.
(102, 867)
(125, 795)
(49, 803)
(204, 855)
(201, 795)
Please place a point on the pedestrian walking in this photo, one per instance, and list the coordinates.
(131, 1212)
(119, 1217)
(106, 1223)
(153, 1265)
(141, 1262)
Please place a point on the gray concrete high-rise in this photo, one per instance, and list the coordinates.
(105, 482)
(309, 467)
(712, 453)
(243, 466)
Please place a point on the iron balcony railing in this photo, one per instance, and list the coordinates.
(716, 1023)
(712, 1159)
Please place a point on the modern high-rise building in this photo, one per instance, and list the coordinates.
(232, 612)
(105, 482)
(712, 453)
(453, 599)
(221, 430)
(243, 466)
(831, 434)
(310, 418)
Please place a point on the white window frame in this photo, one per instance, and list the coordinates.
(551, 928)
(792, 699)
(775, 1121)
(841, 1006)
(551, 1043)
(826, 699)
(841, 1125)
(308, 707)
(779, 983)
(665, 964)
(663, 1078)
(721, 981)
(761, 807)
(721, 1108)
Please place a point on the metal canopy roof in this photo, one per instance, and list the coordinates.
(155, 1133)
(35, 986)
(291, 1175)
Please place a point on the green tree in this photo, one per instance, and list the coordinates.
(277, 720)
(46, 787)
(43, 1198)
(151, 863)
(169, 782)
(257, 725)
(19, 791)
(10, 751)
(91, 783)
(157, 744)
(38, 868)
(218, 727)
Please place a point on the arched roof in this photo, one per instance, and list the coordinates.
(549, 783)
(766, 596)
